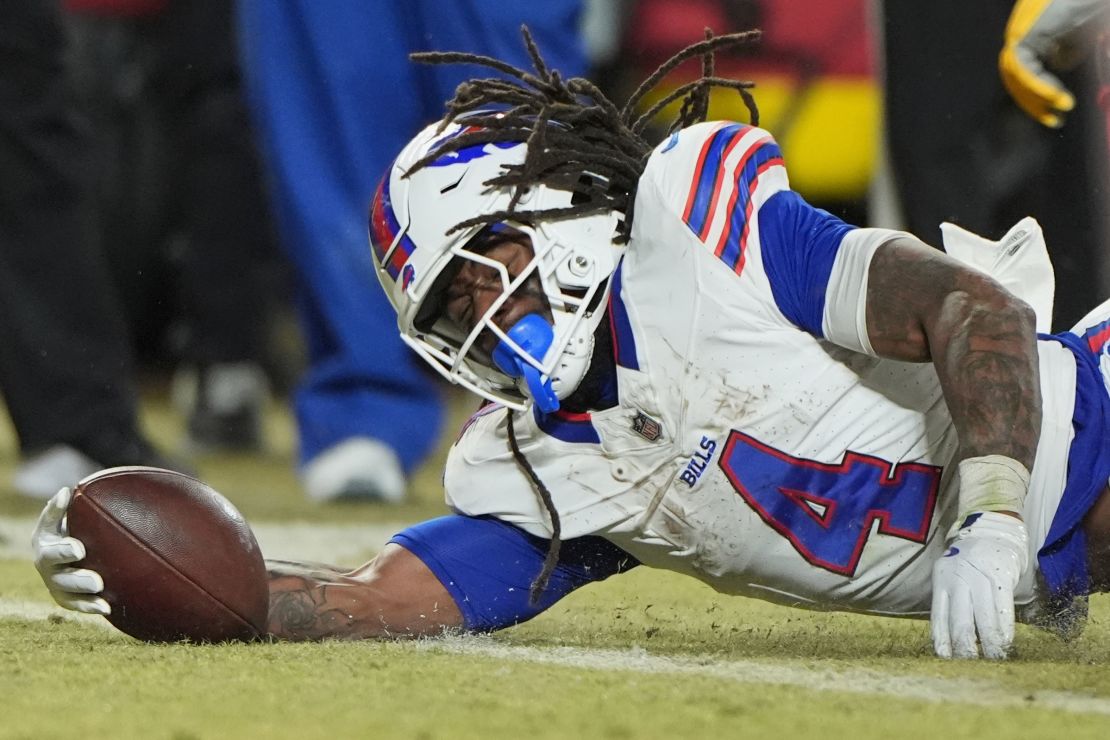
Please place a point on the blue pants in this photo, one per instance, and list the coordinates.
(335, 98)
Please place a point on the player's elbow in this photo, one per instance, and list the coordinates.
(993, 300)
(1024, 314)
(979, 306)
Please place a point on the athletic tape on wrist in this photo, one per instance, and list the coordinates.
(991, 483)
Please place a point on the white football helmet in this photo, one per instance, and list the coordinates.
(409, 221)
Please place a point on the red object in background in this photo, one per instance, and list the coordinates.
(835, 31)
(831, 34)
(124, 8)
(660, 27)
(1104, 102)
(1103, 52)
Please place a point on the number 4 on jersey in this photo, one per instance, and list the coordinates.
(826, 511)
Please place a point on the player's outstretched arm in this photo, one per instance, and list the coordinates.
(923, 305)
(394, 595)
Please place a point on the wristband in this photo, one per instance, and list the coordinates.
(991, 483)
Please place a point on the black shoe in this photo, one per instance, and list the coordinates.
(43, 471)
(113, 451)
(225, 403)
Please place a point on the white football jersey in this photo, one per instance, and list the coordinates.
(757, 444)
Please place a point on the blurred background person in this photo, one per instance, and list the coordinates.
(1043, 36)
(961, 150)
(66, 371)
(177, 185)
(183, 212)
(332, 93)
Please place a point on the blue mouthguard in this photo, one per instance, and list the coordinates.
(534, 335)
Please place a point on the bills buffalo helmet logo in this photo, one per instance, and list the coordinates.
(391, 251)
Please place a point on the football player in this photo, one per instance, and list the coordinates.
(685, 365)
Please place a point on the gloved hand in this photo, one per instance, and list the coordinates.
(72, 588)
(1040, 34)
(973, 586)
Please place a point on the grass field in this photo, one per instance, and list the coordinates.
(648, 655)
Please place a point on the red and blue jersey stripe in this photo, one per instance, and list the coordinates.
(1097, 336)
(383, 232)
(708, 176)
(734, 239)
(487, 407)
(567, 426)
(711, 173)
(624, 342)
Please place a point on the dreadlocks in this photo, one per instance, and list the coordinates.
(578, 141)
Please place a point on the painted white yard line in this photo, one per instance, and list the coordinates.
(863, 681)
(40, 611)
(338, 544)
(343, 544)
(794, 674)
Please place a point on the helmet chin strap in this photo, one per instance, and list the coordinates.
(534, 335)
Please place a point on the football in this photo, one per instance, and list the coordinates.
(178, 560)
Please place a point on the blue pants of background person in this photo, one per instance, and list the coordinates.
(335, 98)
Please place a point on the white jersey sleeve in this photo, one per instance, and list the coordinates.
(844, 320)
(730, 182)
(1018, 261)
(722, 187)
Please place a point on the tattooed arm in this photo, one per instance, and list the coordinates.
(394, 595)
(923, 305)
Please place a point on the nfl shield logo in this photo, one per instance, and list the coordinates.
(647, 427)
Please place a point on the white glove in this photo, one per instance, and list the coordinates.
(973, 587)
(1043, 35)
(73, 588)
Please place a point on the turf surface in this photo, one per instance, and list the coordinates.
(648, 654)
